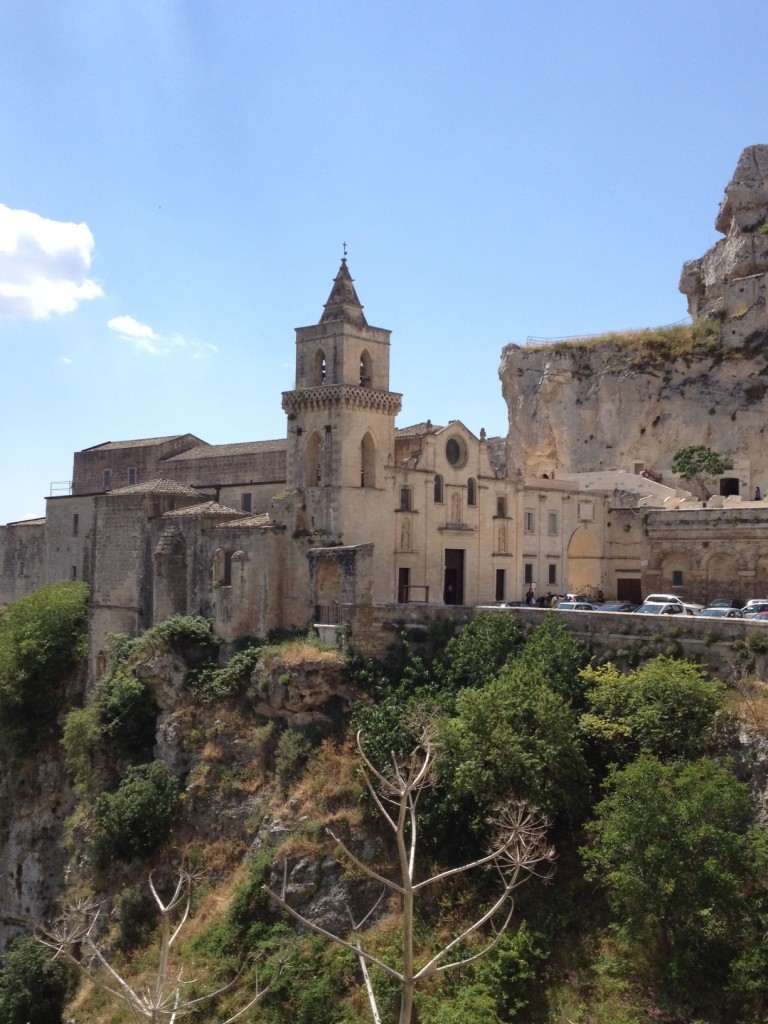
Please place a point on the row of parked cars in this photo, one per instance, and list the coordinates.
(670, 604)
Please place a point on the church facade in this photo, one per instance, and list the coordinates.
(346, 510)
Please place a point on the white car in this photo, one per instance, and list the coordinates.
(575, 606)
(663, 599)
(673, 599)
(662, 608)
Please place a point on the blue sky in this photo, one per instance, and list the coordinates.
(177, 178)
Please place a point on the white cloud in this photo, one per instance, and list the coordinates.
(43, 265)
(144, 339)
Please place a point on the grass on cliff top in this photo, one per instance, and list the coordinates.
(652, 347)
(300, 650)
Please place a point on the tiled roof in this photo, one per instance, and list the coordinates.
(251, 521)
(418, 429)
(29, 522)
(143, 442)
(207, 510)
(158, 486)
(215, 451)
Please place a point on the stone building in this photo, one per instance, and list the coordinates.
(346, 511)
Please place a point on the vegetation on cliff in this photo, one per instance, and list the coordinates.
(652, 347)
(658, 907)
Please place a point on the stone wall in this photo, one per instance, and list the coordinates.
(704, 553)
(22, 559)
(619, 636)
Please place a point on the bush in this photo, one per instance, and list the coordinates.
(183, 633)
(43, 638)
(210, 683)
(515, 736)
(475, 656)
(127, 715)
(293, 749)
(34, 987)
(137, 817)
(665, 707)
(669, 844)
(136, 915)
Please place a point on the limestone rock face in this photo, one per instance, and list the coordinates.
(34, 802)
(590, 408)
(743, 215)
(310, 694)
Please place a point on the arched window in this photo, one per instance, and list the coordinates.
(320, 369)
(368, 462)
(366, 368)
(313, 461)
(471, 491)
(438, 488)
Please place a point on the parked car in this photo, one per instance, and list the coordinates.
(672, 599)
(754, 607)
(618, 606)
(726, 602)
(663, 608)
(576, 606)
(720, 612)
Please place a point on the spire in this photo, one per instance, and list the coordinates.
(343, 303)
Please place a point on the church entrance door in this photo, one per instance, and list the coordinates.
(453, 586)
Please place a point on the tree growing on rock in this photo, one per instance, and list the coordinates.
(700, 465)
(518, 850)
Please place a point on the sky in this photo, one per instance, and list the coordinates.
(178, 179)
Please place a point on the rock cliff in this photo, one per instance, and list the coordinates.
(628, 401)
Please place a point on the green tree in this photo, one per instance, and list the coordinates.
(665, 708)
(515, 735)
(136, 818)
(42, 640)
(553, 655)
(475, 656)
(669, 844)
(34, 987)
(700, 465)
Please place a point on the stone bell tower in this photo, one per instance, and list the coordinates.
(341, 418)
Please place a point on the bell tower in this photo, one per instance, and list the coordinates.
(341, 417)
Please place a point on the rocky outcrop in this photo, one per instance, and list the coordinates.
(35, 799)
(590, 408)
(621, 402)
(311, 693)
(710, 282)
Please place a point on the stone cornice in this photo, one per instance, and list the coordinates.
(346, 395)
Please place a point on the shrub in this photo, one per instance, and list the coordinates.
(293, 749)
(34, 987)
(210, 683)
(183, 633)
(42, 640)
(136, 916)
(478, 652)
(127, 714)
(665, 707)
(669, 844)
(137, 817)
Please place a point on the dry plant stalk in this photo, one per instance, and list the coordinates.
(518, 850)
(74, 937)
